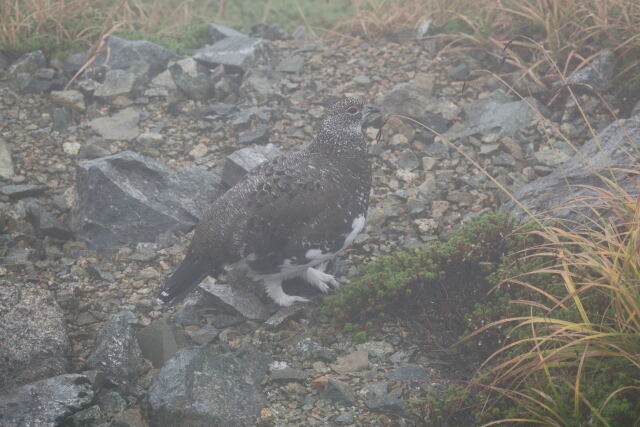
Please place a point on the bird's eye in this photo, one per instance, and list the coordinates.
(353, 110)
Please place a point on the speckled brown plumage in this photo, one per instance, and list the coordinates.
(290, 214)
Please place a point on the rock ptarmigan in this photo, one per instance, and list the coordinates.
(288, 216)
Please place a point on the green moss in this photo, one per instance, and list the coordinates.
(408, 279)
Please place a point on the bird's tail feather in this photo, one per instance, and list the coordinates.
(186, 277)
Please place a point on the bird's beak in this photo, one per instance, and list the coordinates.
(371, 114)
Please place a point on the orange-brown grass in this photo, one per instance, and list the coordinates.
(571, 32)
(596, 316)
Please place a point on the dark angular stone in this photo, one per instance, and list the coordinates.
(117, 352)
(129, 198)
(207, 386)
(45, 403)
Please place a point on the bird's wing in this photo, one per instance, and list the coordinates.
(294, 209)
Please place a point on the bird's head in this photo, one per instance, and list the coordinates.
(341, 125)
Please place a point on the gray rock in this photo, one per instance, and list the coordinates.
(408, 160)
(121, 126)
(238, 53)
(33, 336)
(28, 63)
(159, 341)
(45, 403)
(205, 386)
(378, 399)
(127, 198)
(259, 135)
(283, 314)
(117, 353)
(92, 416)
(195, 80)
(120, 53)
(242, 119)
(344, 419)
(110, 402)
(61, 118)
(204, 335)
(339, 392)
(246, 303)
(610, 148)
(551, 157)
(72, 99)
(20, 191)
(311, 350)
(291, 64)
(116, 83)
(424, 27)
(409, 372)
(496, 115)
(45, 223)
(268, 31)
(258, 86)
(217, 32)
(6, 162)
(598, 73)
(459, 72)
(362, 80)
(405, 99)
(242, 161)
(4, 62)
(376, 349)
(636, 110)
(288, 374)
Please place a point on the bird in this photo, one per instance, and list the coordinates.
(289, 215)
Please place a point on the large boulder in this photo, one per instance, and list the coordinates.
(615, 147)
(238, 53)
(117, 354)
(33, 337)
(45, 403)
(206, 386)
(128, 198)
(119, 54)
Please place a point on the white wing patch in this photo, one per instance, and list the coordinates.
(314, 253)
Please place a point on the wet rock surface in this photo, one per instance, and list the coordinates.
(33, 338)
(207, 386)
(46, 402)
(100, 185)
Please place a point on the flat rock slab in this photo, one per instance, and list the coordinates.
(206, 386)
(246, 303)
(236, 52)
(45, 403)
(33, 337)
(72, 99)
(6, 162)
(496, 114)
(20, 191)
(128, 198)
(614, 147)
(121, 126)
